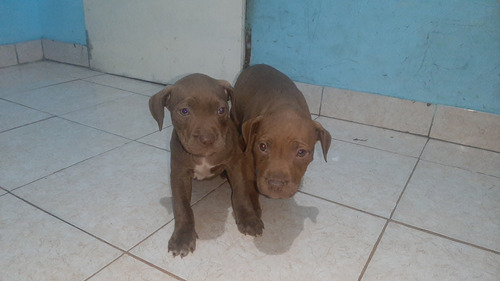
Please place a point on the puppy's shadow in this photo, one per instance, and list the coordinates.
(167, 203)
(210, 211)
(284, 221)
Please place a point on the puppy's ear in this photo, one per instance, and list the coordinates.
(249, 130)
(227, 88)
(157, 104)
(324, 137)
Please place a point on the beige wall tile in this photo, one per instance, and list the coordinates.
(312, 93)
(387, 112)
(66, 52)
(8, 55)
(477, 129)
(29, 51)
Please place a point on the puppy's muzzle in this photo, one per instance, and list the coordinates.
(277, 187)
(206, 139)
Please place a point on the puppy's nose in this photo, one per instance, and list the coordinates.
(207, 139)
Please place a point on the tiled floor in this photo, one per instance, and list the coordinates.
(84, 176)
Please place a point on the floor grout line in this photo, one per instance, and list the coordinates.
(432, 121)
(124, 253)
(430, 232)
(343, 205)
(104, 267)
(155, 266)
(72, 165)
(375, 148)
(31, 123)
(66, 222)
(374, 126)
(321, 101)
(408, 180)
(173, 218)
(375, 247)
(372, 253)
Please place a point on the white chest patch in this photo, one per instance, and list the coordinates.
(202, 170)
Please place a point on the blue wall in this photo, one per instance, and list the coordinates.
(444, 51)
(63, 21)
(19, 21)
(25, 20)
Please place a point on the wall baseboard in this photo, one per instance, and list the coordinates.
(451, 124)
(44, 49)
(66, 52)
(457, 125)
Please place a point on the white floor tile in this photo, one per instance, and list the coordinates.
(13, 115)
(35, 75)
(37, 150)
(100, 187)
(159, 139)
(305, 239)
(37, 246)
(408, 254)
(469, 158)
(132, 85)
(121, 196)
(361, 177)
(152, 91)
(453, 202)
(128, 117)
(67, 97)
(128, 268)
(389, 140)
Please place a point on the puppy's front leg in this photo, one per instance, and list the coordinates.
(183, 239)
(245, 198)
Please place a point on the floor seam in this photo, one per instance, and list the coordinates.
(437, 234)
(374, 249)
(67, 222)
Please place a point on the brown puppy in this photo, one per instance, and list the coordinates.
(276, 126)
(204, 144)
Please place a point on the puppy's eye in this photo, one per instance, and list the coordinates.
(184, 111)
(221, 110)
(301, 153)
(263, 147)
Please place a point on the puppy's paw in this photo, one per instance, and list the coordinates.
(181, 243)
(251, 225)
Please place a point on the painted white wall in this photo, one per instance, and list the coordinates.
(163, 40)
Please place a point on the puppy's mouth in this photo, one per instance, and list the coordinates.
(199, 146)
(277, 188)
